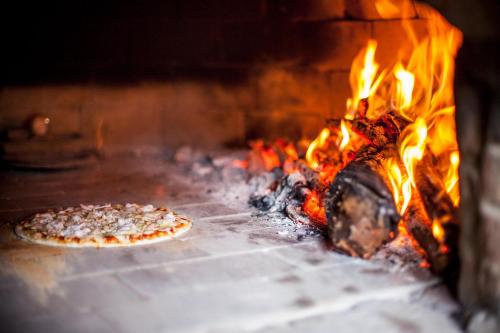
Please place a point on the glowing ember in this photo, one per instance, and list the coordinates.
(319, 142)
(314, 208)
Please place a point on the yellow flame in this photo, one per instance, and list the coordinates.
(401, 185)
(395, 178)
(451, 179)
(363, 77)
(437, 230)
(404, 88)
(345, 136)
(319, 142)
(411, 150)
(421, 92)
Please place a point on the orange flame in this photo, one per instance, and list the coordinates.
(404, 88)
(319, 142)
(363, 77)
(345, 135)
(420, 91)
(451, 179)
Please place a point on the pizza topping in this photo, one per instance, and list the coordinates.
(104, 224)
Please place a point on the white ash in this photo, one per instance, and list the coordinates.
(285, 227)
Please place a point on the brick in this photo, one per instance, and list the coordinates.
(390, 316)
(227, 10)
(488, 275)
(206, 273)
(78, 323)
(196, 212)
(169, 251)
(20, 304)
(194, 116)
(294, 90)
(97, 292)
(340, 91)
(311, 256)
(91, 261)
(306, 10)
(491, 174)
(378, 10)
(209, 309)
(254, 304)
(124, 117)
(222, 240)
(395, 39)
(272, 125)
(267, 41)
(333, 45)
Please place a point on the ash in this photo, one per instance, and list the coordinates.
(277, 197)
(276, 200)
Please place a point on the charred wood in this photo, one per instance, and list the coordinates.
(360, 208)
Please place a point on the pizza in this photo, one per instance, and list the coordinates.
(103, 226)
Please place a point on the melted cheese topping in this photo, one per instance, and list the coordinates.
(111, 222)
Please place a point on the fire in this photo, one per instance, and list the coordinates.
(278, 154)
(314, 208)
(319, 142)
(451, 179)
(363, 78)
(412, 97)
(411, 150)
(404, 88)
(401, 185)
(345, 135)
(437, 230)
(421, 92)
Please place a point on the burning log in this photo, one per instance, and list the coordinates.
(362, 215)
(360, 209)
(438, 236)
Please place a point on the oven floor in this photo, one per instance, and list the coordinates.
(231, 272)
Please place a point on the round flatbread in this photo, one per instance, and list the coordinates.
(103, 226)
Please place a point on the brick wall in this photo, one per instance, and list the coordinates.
(477, 92)
(288, 64)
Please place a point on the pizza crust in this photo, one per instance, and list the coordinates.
(103, 226)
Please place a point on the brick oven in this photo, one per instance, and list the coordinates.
(156, 102)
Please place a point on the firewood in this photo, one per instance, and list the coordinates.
(438, 206)
(361, 212)
(362, 215)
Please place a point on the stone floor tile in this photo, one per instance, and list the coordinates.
(196, 212)
(97, 292)
(312, 255)
(376, 316)
(205, 273)
(219, 239)
(76, 323)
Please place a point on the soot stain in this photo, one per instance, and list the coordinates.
(403, 324)
(351, 289)
(314, 261)
(290, 279)
(255, 237)
(303, 302)
(377, 271)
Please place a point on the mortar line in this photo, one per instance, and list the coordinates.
(166, 264)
